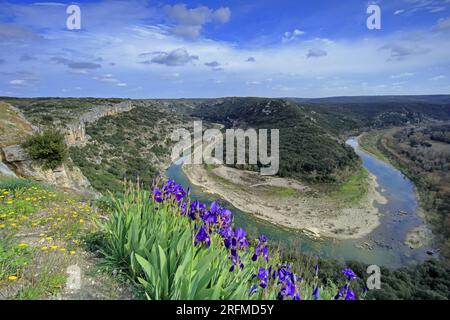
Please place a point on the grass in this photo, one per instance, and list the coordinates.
(40, 232)
(354, 188)
(279, 192)
(48, 279)
(369, 142)
(8, 183)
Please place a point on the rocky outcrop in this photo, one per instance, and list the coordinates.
(14, 153)
(63, 176)
(75, 134)
(6, 171)
(15, 162)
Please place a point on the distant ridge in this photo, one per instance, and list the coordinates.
(433, 99)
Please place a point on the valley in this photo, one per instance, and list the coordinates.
(342, 192)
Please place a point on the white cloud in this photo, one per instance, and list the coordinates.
(289, 36)
(402, 75)
(18, 82)
(288, 66)
(110, 79)
(177, 57)
(442, 24)
(437, 78)
(189, 22)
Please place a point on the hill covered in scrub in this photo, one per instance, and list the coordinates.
(128, 145)
(381, 111)
(309, 146)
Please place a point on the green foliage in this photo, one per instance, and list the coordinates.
(15, 184)
(354, 188)
(48, 284)
(307, 148)
(48, 148)
(427, 281)
(46, 112)
(13, 259)
(130, 145)
(154, 246)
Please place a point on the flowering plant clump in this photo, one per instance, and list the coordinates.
(213, 227)
(346, 292)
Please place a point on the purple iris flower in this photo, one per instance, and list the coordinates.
(210, 218)
(346, 293)
(196, 209)
(263, 276)
(225, 217)
(157, 195)
(316, 293)
(226, 233)
(349, 274)
(239, 233)
(214, 207)
(253, 290)
(239, 237)
(203, 236)
(183, 208)
(261, 249)
(179, 193)
(350, 295)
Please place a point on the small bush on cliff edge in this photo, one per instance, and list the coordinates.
(48, 148)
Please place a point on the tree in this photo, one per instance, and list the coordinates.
(48, 148)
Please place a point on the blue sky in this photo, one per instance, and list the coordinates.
(173, 49)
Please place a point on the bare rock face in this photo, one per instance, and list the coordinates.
(6, 171)
(75, 134)
(62, 176)
(15, 153)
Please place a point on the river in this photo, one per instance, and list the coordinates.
(385, 246)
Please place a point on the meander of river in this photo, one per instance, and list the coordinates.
(385, 246)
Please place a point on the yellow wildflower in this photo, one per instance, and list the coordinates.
(73, 252)
(12, 278)
(45, 248)
(23, 245)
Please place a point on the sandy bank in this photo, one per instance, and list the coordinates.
(290, 204)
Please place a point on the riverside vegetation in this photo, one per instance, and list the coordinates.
(141, 254)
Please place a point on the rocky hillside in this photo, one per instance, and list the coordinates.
(71, 120)
(132, 145)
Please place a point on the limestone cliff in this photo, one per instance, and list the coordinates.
(15, 162)
(75, 133)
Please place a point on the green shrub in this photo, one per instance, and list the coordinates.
(48, 148)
